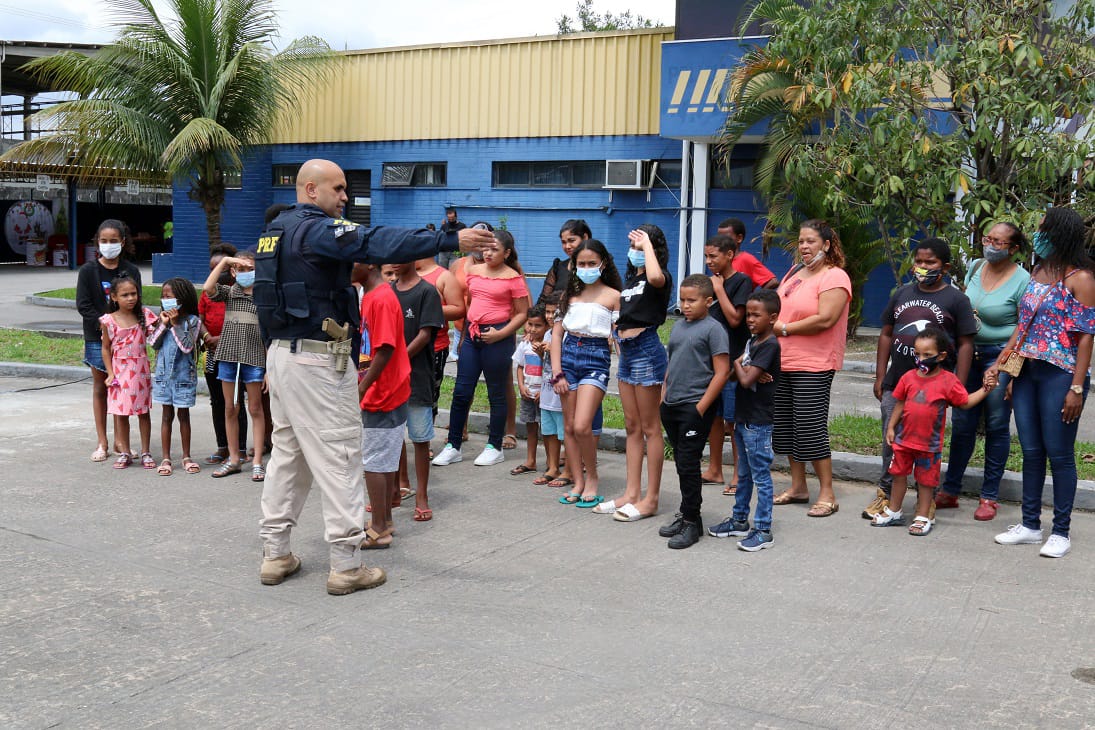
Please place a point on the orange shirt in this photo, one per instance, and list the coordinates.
(799, 299)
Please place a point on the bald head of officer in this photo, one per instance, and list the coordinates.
(323, 184)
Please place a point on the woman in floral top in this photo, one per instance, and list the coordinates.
(1056, 323)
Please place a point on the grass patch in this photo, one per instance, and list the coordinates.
(149, 294)
(860, 434)
(25, 346)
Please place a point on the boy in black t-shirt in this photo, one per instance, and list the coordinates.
(423, 318)
(929, 300)
(732, 289)
(757, 370)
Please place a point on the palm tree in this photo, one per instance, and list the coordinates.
(181, 95)
(775, 91)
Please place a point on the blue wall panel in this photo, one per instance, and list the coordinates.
(533, 215)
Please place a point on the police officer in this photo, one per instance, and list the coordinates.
(303, 262)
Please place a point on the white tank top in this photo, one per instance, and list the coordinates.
(589, 319)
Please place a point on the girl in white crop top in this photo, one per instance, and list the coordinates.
(580, 360)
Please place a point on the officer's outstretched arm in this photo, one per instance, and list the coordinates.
(347, 241)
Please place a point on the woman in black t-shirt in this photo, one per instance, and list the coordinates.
(643, 305)
(573, 232)
(92, 296)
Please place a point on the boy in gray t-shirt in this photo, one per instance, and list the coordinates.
(699, 365)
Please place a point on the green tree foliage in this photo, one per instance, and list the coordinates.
(943, 118)
(184, 93)
(587, 19)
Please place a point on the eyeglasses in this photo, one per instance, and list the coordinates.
(995, 242)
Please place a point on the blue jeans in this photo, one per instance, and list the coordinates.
(492, 361)
(754, 469)
(1038, 395)
(997, 410)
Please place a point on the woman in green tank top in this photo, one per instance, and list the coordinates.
(994, 285)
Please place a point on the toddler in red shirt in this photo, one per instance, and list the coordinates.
(916, 430)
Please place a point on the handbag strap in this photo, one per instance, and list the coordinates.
(1038, 305)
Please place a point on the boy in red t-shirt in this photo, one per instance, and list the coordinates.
(385, 388)
(916, 430)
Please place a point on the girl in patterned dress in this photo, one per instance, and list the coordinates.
(126, 329)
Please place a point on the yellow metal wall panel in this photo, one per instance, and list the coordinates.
(583, 84)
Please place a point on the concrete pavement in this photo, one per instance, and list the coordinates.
(128, 599)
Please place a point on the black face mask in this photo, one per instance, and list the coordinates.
(929, 363)
(226, 278)
(927, 277)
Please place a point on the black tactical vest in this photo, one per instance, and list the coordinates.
(295, 289)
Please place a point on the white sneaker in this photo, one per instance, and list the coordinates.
(489, 456)
(448, 455)
(1057, 546)
(1019, 535)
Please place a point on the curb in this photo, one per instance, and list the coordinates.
(50, 302)
(849, 467)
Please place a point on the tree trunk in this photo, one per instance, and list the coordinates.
(212, 221)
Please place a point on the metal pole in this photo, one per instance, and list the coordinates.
(73, 236)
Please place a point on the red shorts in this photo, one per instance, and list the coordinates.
(924, 465)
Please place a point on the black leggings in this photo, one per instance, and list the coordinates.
(216, 402)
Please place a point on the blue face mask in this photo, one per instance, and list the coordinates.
(245, 278)
(588, 276)
(1043, 247)
(168, 304)
(636, 257)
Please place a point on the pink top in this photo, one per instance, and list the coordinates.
(492, 299)
(751, 266)
(799, 299)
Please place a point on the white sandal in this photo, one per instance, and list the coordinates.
(888, 518)
(605, 508)
(925, 526)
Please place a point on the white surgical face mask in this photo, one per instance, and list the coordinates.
(816, 261)
(110, 250)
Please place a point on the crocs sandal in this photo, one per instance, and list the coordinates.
(190, 466)
(123, 461)
(165, 468)
(147, 462)
(226, 469)
(258, 473)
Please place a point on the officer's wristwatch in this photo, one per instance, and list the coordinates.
(1077, 389)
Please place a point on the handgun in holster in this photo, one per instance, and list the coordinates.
(341, 345)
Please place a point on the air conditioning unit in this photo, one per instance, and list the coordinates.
(630, 174)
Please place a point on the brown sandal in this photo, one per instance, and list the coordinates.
(377, 540)
(823, 509)
(785, 497)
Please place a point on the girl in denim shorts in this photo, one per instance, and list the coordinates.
(643, 305)
(580, 360)
(175, 382)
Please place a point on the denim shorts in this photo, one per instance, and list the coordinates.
(93, 356)
(179, 393)
(226, 372)
(551, 423)
(642, 359)
(729, 400)
(586, 361)
(420, 424)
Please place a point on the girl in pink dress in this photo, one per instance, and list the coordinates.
(126, 329)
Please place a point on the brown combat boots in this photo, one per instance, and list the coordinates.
(359, 579)
(276, 570)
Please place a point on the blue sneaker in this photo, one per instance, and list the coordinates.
(729, 528)
(757, 540)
